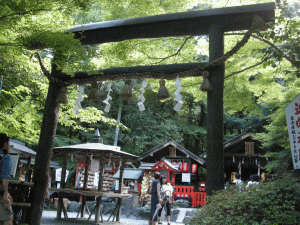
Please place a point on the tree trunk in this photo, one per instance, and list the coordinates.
(215, 155)
(44, 153)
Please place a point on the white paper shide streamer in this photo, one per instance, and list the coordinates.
(178, 96)
(141, 96)
(108, 98)
(78, 100)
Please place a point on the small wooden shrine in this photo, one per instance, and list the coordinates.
(179, 166)
(173, 161)
(244, 155)
(104, 155)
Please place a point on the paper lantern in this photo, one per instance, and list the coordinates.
(186, 167)
(194, 168)
(180, 167)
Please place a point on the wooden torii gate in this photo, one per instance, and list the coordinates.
(212, 22)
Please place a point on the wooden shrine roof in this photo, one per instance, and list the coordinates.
(96, 150)
(130, 174)
(236, 145)
(171, 142)
(21, 148)
(176, 24)
(166, 163)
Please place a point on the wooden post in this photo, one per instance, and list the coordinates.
(28, 170)
(100, 186)
(85, 180)
(215, 155)
(62, 185)
(44, 153)
(120, 191)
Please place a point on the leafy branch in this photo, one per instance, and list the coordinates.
(267, 42)
(249, 67)
(29, 12)
(169, 56)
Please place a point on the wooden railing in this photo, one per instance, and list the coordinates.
(21, 205)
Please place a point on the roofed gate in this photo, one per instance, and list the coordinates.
(212, 22)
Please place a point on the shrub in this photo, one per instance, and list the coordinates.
(275, 202)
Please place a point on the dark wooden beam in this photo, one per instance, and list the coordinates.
(118, 216)
(85, 184)
(98, 212)
(177, 24)
(215, 154)
(62, 185)
(44, 153)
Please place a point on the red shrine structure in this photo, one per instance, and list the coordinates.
(181, 168)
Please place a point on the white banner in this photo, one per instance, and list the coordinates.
(58, 174)
(96, 179)
(186, 177)
(292, 112)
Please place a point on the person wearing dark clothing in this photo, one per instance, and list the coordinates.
(155, 199)
(6, 215)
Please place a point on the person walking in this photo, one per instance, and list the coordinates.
(166, 192)
(6, 214)
(155, 199)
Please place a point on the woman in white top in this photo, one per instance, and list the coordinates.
(254, 181)
(166, 192)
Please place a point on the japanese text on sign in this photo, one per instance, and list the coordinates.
(292, 112)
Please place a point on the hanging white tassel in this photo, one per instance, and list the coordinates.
(78, 100)
(108, 98)
(178, 106)
(178, 96)
(141, 96)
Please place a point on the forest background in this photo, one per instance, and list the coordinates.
(260, 80)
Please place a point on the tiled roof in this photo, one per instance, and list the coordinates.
(170, 141)
(20, 146)
(130, 174)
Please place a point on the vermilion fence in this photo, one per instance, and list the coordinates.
(198, 198)
(183, 191)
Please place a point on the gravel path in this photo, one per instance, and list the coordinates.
(49, 217)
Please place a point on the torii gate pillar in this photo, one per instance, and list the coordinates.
(215, 155)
